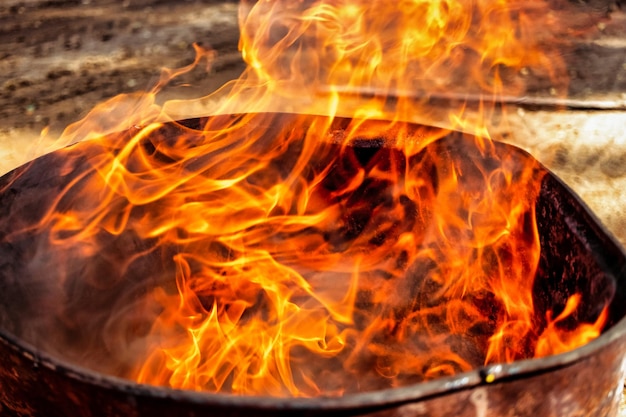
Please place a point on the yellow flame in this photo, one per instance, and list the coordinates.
(298, 254)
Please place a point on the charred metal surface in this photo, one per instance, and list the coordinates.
(578, 256)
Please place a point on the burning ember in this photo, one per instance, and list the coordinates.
(306, 254)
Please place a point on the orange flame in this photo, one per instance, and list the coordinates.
(556, 340)
(313, 255)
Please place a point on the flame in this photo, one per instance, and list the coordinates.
(556, 340)
(310, 254)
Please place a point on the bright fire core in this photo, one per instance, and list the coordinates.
(309, 255)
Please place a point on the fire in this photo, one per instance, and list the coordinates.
(309, 254)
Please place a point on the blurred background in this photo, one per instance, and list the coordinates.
(59, 58)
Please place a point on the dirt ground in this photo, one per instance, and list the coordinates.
(60, 58)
